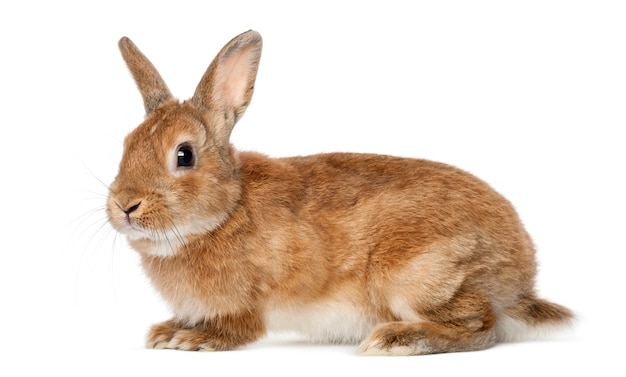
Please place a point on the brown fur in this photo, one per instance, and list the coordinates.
(426, 256)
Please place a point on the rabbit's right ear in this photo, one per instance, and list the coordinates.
(148, 80)
(228, 83)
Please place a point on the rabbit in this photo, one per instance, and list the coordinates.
(401, 256)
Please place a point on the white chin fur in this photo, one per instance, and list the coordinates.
(167, 243)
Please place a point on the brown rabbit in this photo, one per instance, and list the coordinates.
(406, 256)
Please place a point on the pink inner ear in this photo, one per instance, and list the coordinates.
(234, 79)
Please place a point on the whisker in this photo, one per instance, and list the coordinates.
(182, 241)
(112, 263)
(161, 236)
(101, 233)
(81, 219)
(165, 235)
(94, 176)
(174, 230)
(94, 232)
(97, 233)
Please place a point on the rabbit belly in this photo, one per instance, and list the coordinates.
(331, 321)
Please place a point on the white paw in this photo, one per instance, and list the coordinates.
(375, 348)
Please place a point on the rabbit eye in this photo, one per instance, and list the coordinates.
(185, 156)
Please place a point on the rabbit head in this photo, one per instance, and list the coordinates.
(179, 174)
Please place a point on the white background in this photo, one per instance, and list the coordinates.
(528, 95)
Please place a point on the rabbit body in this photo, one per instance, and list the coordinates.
(406, 256)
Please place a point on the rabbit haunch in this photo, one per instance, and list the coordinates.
(406, 256)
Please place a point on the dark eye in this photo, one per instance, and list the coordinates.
(185, 156)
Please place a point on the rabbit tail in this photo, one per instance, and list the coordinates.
(532, 318)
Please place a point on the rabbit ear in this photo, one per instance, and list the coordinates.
(228, 83)
(149, 81)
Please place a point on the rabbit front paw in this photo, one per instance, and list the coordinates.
(222, 333)
(173, 335)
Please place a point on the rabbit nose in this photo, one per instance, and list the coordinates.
(131, 209)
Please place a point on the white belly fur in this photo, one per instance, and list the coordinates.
(329, 321)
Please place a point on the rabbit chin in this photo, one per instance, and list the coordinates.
(167, 242)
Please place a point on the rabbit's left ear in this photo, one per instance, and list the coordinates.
(149, 81)
(228, 83)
